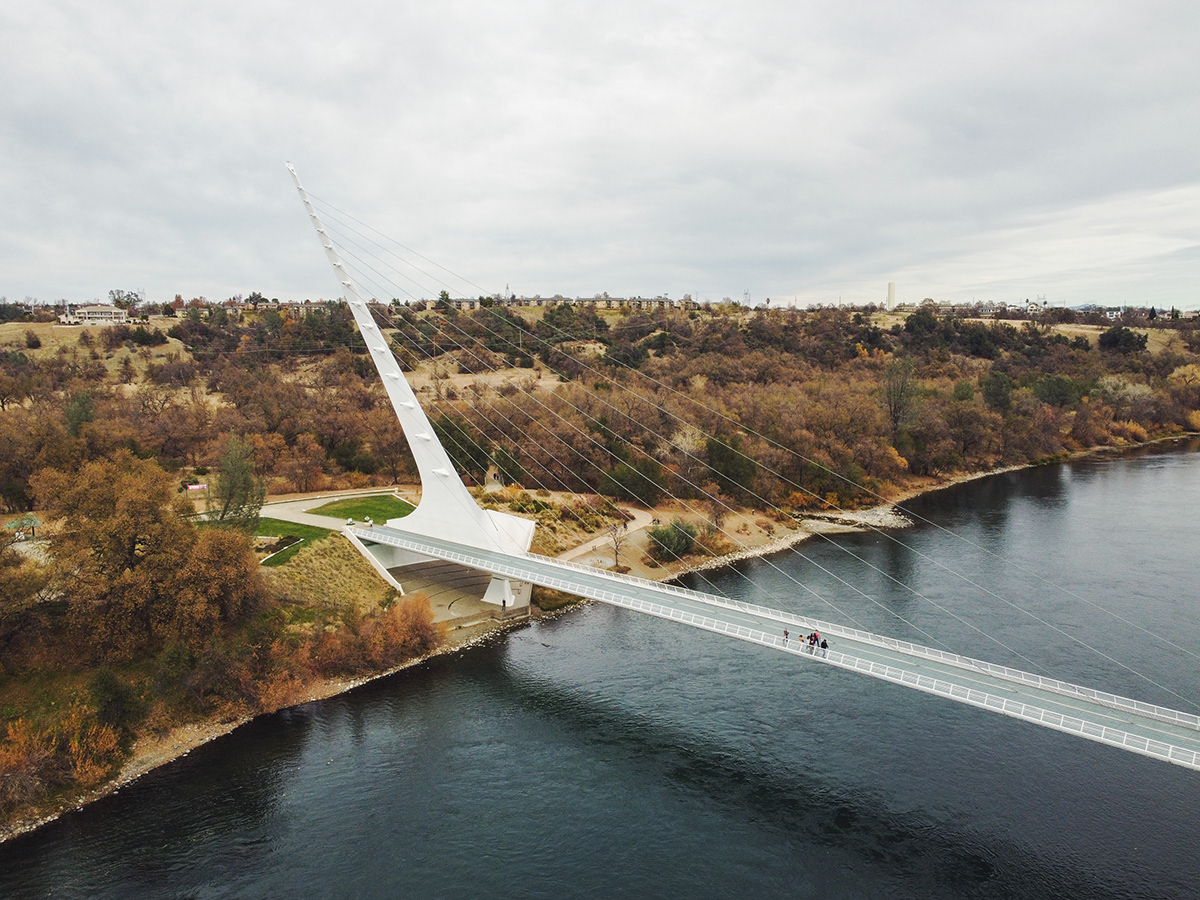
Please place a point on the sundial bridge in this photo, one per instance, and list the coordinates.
(449, 525)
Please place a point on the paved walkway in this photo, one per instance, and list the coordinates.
(298, 508)
(296, 511)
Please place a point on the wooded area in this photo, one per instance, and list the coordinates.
(139, 615)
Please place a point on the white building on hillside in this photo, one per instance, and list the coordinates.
(96, 314)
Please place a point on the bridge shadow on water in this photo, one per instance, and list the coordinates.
(375, 768)
(916, 854)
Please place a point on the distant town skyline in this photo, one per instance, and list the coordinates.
(796, 151)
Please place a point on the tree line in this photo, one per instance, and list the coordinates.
(779, 404)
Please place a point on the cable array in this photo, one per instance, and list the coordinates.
(717, 499)
(349, 236)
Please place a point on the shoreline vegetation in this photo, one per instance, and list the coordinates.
(154, 750)
(133, 630)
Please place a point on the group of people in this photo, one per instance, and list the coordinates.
(814, 641)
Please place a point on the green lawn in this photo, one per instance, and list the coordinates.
(379, 508)
(278, 528)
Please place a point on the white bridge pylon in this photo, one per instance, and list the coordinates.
(446, 509)
(448, 525)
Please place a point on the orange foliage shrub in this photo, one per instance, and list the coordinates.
(404, 631)
(1092, 425)
(23, 756)
(92, 748)
(281, 691)
(421, 633)
(37, 761)
(1129, 431)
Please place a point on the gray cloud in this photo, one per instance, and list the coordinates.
(994, 150)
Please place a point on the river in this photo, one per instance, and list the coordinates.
(605, 754)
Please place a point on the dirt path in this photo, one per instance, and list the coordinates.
(639, 520)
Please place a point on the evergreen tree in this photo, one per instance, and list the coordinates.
(239, 493)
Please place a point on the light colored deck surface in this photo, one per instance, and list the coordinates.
(1142, 728)
(454, 591)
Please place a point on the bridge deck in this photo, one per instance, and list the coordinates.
(1143, 728)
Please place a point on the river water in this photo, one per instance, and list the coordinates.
(607, 754)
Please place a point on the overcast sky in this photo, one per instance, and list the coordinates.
(796, 150)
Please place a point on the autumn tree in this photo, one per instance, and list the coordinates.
(18, 450)
(268, 450)
(388, 444)
(716, 508)
(22, 584)
(218, 584)
(120, 543)
(303, 464)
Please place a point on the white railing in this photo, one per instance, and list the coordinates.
(974, 697)
(923, 682)
(1114, 701)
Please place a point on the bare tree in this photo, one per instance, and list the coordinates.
(618, 535)
(716, 508)
(899, 391)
